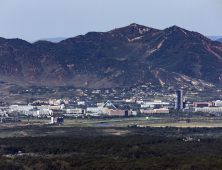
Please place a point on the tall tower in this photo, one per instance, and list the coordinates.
(179, 100)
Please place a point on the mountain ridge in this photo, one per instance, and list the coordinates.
(214, 38)
(127, 56)
(220, 40)
(54, 40)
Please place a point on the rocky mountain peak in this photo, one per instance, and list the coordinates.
(120, 57)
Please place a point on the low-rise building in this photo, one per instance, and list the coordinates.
(129, 100)
(43, 107)
(134, 113)
(58, 120)
(40, 102)
(145, 104)
(56, 107)
(75, 111)
(119, 112)
(6, 119)
(54, 101)
(21, 107)
(94, 109)
(206, 109)
(80, 102)
(106, 111)
(201, 104)
(45, 112)
(99, 104)
(218, 103)
(32, 112)
(153, 111)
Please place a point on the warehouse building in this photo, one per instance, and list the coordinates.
(119, 112)
(206, 109)
(161, 110)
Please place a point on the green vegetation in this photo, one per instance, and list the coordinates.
(111, 152)
(122, 143)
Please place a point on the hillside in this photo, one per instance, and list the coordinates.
(220, 40)
(54, 40)
(214, 38)
(128, 56)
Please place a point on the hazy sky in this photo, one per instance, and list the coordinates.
(34, 19)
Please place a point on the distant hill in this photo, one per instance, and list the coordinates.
(214, 38)
(220, 40)
(55, 40)
(123, 57)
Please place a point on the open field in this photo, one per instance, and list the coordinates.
(166, 126)
(195, 124)
(129, 121)
(142, 121)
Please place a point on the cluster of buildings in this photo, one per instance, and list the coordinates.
(71, 108)
(209, 107)
(150, 106)
(67, 108)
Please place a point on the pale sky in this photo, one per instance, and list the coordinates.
(35, 19)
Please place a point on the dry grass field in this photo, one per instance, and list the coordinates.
(139, 121)
(108, 126)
